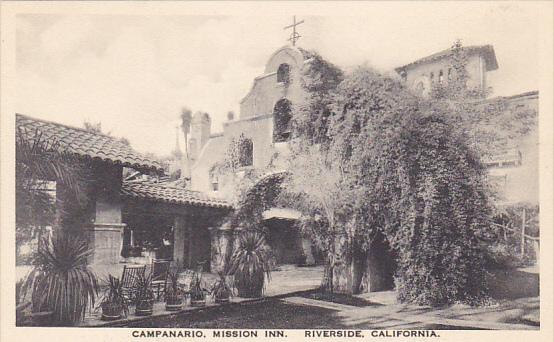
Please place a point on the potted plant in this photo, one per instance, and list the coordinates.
(221, 291)
(61, 285)
(113, 304)
(173, 293)
(144, 296)
(250, 265)
(197, 291)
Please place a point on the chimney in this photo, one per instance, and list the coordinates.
(199, 133)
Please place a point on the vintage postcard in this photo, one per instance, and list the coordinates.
(305, 171)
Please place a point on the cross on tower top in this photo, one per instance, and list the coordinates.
(294, 36)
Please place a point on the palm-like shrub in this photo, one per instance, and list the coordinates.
(250, 264)
(113, 302)
(60, 281)
(197, 289)
(221, 290)
(144, 299)
(173, 293)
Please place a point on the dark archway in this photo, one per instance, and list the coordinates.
(283, 73)
(282, 114)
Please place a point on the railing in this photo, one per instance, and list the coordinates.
(525, 221)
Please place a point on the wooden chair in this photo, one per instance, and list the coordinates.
(160, 270)
(131, 273)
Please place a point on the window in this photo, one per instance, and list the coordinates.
(449, 74)
(281, 121)
(432, 77)
(441, 76)
(283, 73)
(246, 148)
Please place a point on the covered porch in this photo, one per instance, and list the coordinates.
(166, 222)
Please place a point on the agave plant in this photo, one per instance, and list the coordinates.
(144, 295)
(173, 292)
(221, 291)
(60, 281)
(197, 289)
(113, 303)
(250, 265)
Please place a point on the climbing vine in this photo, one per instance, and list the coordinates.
(400, 169)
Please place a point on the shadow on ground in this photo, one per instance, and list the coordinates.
(513, 284)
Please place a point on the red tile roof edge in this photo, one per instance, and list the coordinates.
(158, 192)
(145, 164)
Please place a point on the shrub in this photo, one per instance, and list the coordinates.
(60, 281)
(250, 264)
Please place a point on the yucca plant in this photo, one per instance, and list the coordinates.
(113, 303)
(197, 289)
(144, 299)
(60, 281)
(221, 290)
(173, 293)
(250, 265)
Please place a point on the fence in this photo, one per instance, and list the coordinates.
(526, 220)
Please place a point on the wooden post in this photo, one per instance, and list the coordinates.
(523, 233)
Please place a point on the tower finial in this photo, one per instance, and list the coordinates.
(295, 35)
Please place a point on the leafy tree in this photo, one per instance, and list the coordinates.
(40, 161)
(97, 128)
(93, 127)
(319, 80)
(427, 190)
(400, 171)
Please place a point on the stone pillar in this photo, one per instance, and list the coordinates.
(106, 232)
(180, 249)
(106, 240)
(221, 249)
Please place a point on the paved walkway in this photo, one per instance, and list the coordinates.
(520, 314)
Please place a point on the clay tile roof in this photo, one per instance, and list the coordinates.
(171, 194)
(86, 144)
(486, 51)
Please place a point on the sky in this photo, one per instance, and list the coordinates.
(134, 73)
